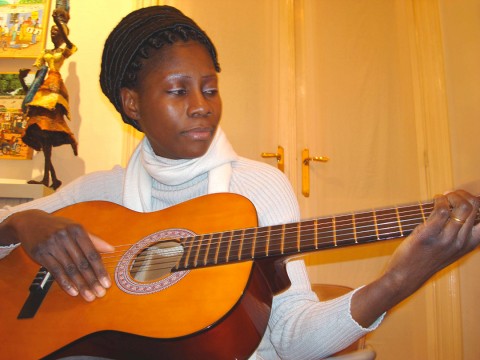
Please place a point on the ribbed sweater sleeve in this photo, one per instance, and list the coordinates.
(302, 327)
(101, 185)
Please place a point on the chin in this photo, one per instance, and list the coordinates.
(194, 154)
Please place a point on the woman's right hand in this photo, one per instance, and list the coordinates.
(64, 247)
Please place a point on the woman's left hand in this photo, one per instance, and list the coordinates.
(448, 234)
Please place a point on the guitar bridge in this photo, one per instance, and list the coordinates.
(38, 290)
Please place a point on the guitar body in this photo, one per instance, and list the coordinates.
(217, 312)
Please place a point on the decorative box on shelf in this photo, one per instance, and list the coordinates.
(14, 192)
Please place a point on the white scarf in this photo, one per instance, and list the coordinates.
(144, 166)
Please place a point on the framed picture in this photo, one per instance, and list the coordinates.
(24, 27)
(12, 119)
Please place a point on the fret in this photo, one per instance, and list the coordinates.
(202, 249)
(282, 241)
(334, 230)
(254, 243)
(299, 232)
(206, 249)
(421, 210)
(387, 224)
(188, 245)
(217, 250)
(267, 242)
(240, 244)
(261, 242)
(325, 233)
(410, 217)
(365, 227)
(308, 235)
(290, 238)
(248, 243)
(344, 230)
(399, 222)
(224, 249)
(275, 243)
(235, 245)
(197, 244)
(375, 224)
(211, 251)
(354, 225)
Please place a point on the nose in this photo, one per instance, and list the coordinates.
(199, 105)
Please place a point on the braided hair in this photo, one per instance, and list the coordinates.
(131, 42)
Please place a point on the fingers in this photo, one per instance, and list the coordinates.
(462, 207)
(56, 268)
(458, 210)
(86, 268)
(76, 264)
(447, 235)
(66, 250)
(94, 261)
(101, 245)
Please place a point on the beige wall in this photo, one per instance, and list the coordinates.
(94, 121)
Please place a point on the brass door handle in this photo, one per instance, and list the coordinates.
(306, 159)
(279, 155)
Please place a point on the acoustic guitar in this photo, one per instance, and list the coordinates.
(176, 294)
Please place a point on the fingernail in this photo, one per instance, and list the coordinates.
(72, 291)
(100, 291)
(88, 295)
(105, 281)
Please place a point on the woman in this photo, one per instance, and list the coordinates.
(45, 112)
(159, 69)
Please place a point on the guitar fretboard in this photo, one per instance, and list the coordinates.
(301, 237)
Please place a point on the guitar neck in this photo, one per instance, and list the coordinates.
(301, 237)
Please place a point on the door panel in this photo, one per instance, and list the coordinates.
(356, 107)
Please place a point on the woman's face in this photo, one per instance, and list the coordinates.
(176, 101)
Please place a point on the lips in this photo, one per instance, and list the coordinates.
(200, 133)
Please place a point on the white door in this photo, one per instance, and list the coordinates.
(356, 107)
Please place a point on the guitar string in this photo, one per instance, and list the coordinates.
(277, 229)
(338, 223)
(293, 233)
(391, 235)
(382, 221)
(111, 259)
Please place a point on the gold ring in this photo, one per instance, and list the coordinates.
(460, 221)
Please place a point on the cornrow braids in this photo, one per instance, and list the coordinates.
(157, 41)
(131, 40)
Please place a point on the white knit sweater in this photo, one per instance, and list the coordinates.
(300, 327)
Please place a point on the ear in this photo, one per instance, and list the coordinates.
(130, 103)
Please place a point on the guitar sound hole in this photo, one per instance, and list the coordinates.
(156, 261)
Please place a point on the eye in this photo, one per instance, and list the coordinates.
(211, 92)
(177, 92)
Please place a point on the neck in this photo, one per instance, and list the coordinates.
(305, 236)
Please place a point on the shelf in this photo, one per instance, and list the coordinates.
(15, 192)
